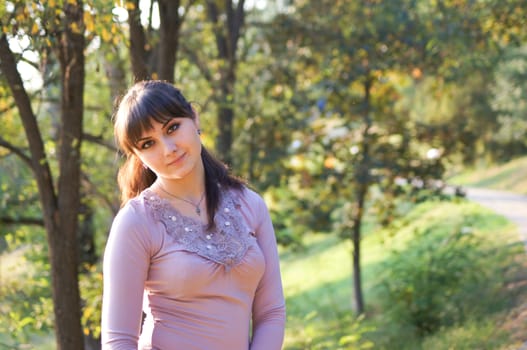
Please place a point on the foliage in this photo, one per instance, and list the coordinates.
(91, 292)
(25, 291)
(431, 294)
(456, 119)
(509, 103)
(442, 274)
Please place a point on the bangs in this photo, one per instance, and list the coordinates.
(140, 121)
(138, 112)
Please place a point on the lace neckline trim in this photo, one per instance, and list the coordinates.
(226, 244)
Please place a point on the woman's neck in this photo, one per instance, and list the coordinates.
(191, 187)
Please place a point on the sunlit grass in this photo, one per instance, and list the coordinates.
(474, 334)
(313, 285)
(318, 287)
(511, 176)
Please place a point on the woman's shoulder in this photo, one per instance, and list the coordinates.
(131, 213)
(139, 209)
(247, 195)
(135, 221)
(251, 204)
(133, 206)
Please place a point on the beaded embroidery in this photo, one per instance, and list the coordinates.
(226, 244)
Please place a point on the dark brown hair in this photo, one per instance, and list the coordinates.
(160, 101)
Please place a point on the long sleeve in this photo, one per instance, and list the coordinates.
(125, 269)
(269, 303)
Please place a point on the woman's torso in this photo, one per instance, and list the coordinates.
(201, 284)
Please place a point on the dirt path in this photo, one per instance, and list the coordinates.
(513, 207)
(510, 205)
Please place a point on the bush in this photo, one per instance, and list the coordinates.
(430, 284)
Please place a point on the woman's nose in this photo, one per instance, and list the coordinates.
(169, 146)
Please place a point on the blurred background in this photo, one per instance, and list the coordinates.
(365, 125)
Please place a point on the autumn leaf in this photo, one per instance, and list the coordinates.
(34, 29)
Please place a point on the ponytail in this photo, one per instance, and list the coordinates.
(216, 175)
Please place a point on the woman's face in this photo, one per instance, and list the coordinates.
(171, 150)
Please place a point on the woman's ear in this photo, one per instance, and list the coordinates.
(196, 120)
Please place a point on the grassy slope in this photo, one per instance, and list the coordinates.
(511, 176)
(318, 286)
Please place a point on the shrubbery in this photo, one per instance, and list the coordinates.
(441, 277)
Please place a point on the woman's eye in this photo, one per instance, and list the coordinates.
(146, 144)
(173, 127)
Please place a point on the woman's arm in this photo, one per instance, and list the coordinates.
(125, 269)
(269, 303)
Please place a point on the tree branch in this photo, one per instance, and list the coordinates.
(39, 162)
(186, 10)
(21, 221)
(19, 152)
(31, 63)
(23, 102)
(99, 140)
(8, 108)
(112, 203)
(203, 68)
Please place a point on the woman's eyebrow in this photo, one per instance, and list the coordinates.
(165, 124)
(142, 139)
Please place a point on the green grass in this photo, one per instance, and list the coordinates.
(318, 288)
(511, 176)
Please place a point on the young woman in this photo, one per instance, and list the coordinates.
(192, 247)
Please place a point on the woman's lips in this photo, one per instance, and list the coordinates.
(177, 160)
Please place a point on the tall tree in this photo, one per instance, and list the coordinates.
(60, 201)
(381, 38)
(217, 60)
(228, 21)
(153, 52)
(365, 48)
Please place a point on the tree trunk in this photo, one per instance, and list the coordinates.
(363, 178)
(149, 61)
(116, 72)
(59, 212)
(225, 120)
(358, 301)
(63, 241)
(87, 254)
(138, 53)
(170, 22)
(227, 36)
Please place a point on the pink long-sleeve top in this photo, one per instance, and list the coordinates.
(199, 289)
